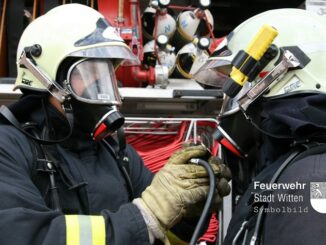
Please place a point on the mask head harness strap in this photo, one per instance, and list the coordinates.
(10, 117)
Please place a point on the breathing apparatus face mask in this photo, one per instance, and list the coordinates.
(95, 96)
(235, 133)
(93, 81)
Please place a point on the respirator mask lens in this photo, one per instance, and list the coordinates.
(93, 81)
(93, 85)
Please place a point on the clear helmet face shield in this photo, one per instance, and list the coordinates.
(213, 73)
(217, 68)
(93, 81)
(116, 51)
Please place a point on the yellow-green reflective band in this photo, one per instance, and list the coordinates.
(85, 230)
(72, 230)
(98, 230)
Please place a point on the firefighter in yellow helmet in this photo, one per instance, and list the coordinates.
(64, 178)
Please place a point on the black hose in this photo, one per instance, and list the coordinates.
(209, 200)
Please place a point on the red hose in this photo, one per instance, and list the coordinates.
(156, 149)
(211, 233)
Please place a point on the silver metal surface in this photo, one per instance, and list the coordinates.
(288, 61)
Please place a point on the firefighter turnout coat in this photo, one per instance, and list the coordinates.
(95, 208)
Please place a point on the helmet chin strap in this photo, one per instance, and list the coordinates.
(26, 60)
(70, 117)
(59, 93)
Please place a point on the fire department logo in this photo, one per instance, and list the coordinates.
(318, 196)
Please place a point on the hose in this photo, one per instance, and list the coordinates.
(211, 233)
(155, 150)
(209, 200)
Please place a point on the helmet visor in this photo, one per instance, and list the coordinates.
(119, 52)
(230, 105)
(214, 73)
(93, 81)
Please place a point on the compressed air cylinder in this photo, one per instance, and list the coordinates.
(191, 57)
(191, 24)
(162, 54)
(165, 23)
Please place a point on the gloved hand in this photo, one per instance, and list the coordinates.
(178, 187)
(222, 188)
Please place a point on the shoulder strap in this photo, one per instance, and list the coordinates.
(46, 162)
(47, 166)
(122, 149)
(277, 174)
(72, 183)
(43, 164)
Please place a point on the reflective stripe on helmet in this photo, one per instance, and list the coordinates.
(85, 229)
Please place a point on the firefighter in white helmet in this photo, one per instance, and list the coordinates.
(273, 132)
(64, 178)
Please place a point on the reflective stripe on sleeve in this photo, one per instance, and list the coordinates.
(85, 230)
(72, 229)
(98, 230)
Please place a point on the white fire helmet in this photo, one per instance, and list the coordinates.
(73, 31)
(296, 28)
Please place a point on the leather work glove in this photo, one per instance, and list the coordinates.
(178, 189)
(222, 188)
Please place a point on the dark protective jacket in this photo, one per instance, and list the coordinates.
(289, 217)
(25, 217)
